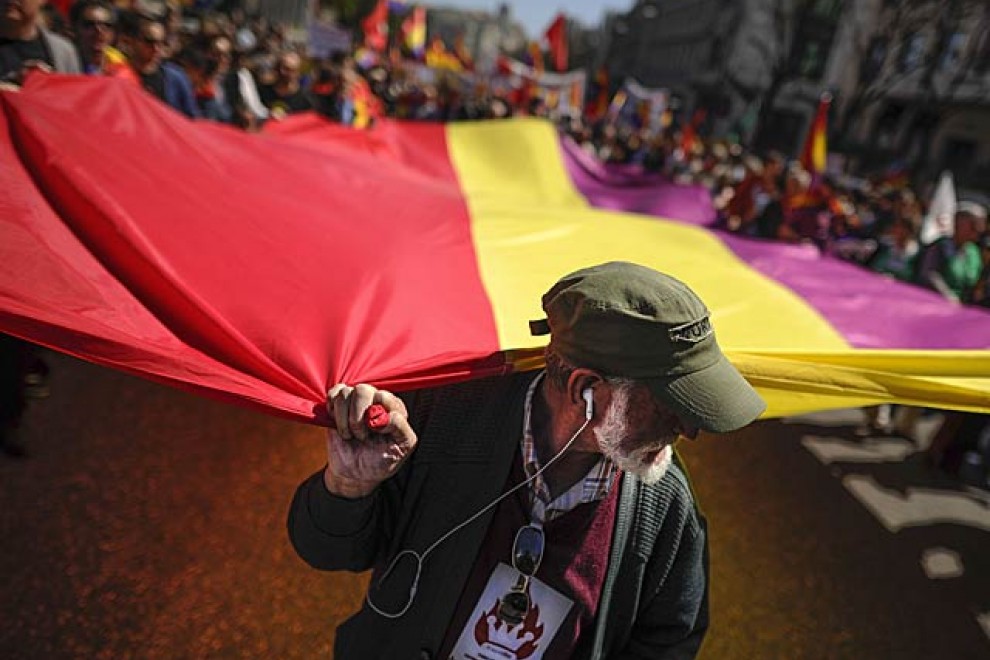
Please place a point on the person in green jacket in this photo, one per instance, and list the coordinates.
(534, 515)
(952, 264)
(896, 254)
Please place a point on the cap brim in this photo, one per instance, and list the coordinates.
(716, 398)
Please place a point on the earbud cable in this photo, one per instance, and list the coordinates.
(420, 558)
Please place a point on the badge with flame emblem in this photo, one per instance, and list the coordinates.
(485, 637)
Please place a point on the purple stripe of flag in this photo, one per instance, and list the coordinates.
(867, 309)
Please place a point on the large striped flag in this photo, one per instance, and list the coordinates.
(260, 269)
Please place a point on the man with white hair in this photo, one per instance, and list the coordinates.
(534, 515)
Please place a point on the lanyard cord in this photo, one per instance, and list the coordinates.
(420, 558)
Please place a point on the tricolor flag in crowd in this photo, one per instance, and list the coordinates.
(260, 269)
(598, 103)
(414, 32)
(815, 150)
(616, 104)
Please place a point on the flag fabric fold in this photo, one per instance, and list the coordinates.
(260, 269)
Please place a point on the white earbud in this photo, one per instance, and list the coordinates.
(589, 403)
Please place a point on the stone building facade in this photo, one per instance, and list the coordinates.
(910, 78)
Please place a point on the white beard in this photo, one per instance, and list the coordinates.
(612, 429)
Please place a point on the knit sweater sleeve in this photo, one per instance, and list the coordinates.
(333, 533)
(676, 621)
(673, 617)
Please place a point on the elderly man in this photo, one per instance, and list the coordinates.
(535, 515)
(25, 45)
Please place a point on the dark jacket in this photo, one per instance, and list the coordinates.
(179, 90)
(654, 601)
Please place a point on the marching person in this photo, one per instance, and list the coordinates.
(534, 515)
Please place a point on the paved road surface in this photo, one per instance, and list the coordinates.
(149, 523)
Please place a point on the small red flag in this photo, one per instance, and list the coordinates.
(375, 27)
(690, 132)
(556, 36)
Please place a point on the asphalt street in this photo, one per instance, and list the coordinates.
(150, 523)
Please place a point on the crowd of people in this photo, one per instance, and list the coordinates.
(873, 221)
(244, 71)
(232, 68)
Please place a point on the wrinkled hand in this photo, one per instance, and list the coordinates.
(358, 460)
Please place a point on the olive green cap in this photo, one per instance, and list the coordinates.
(625, 320)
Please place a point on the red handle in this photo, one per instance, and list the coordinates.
(376, 417)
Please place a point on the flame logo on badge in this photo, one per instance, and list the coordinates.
(522, 640)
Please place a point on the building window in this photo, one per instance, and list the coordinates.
(810, 56)
(959, 156)
(982, 51)
(782, 131)
(717, 53)
(954, 49)
(913, 52)
(888, 125)
(876, 56)
(811, 64)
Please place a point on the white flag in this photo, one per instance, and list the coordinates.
(940, 219)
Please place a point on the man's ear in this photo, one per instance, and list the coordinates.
(581, 386)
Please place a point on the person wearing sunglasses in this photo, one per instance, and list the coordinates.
(26, 45)
(147, 47)
(94, 26)
(541, 514)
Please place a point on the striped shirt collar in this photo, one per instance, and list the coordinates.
(593, 487)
